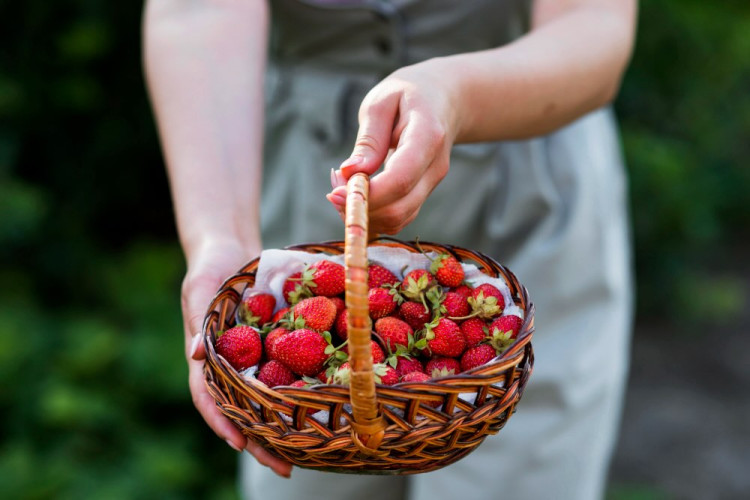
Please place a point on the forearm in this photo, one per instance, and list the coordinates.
(569, 64)
(204, 62)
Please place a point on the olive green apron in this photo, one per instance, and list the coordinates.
(553, 209)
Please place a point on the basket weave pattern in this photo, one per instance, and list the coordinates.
(418, 426)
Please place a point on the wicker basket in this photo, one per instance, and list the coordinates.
(376, 429)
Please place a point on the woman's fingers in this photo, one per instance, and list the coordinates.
(377, 117)
(393, 217)
(206, 406)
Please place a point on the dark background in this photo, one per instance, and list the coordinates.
(94, 400)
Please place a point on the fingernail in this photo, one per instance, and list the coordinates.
(196, 342)
(337, 179)
(352, 160)
(336, 199)
(234, 446)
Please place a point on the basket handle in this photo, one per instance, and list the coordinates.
(368, 426)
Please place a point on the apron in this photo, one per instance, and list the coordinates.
(553, 209)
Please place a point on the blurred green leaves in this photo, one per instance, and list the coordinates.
(685, 114)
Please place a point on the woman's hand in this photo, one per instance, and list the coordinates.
(407, 121)
(209, 266)
(569, 64)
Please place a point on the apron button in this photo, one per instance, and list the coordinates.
(383, 45)
(319, 134)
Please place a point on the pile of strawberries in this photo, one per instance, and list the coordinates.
(429, 323)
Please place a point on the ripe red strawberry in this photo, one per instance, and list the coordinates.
(377, 276)
(378, 356)
(444, 338)
(324, 278)
(474, 330)
(324, 377)
(385, 375)
(269, 343)
(300, 383)
(447, 270)
(279, 315)
(383, 301)
(462, 290)
(406, 365)
(503, 330)
(240, 346)
(415, 377)
(486, 301)
(393, 331)
(341, 325)
(477, 356)
(303, 351)
(454, 305)
(339, 303)
(257, 308)
(318, 313)
(294, 290)
(416, 283)
(274, 373)
(442, 367)
(415, 314)
(504, 324)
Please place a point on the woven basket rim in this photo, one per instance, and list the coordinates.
(511, 353)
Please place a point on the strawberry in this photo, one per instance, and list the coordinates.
(385, 374)
(454, 305)
(383, 301)
(324, 278)
(444, 338)
(274, 373)
(240, 346)
(377, 276)
(406, 365)
(257, 308)
(341, 325)
(447, 270)
(474, 331)
(342, 375)
(415, 377)
(303, 351)
(294, 290)
(477, 356)
(393, 331)
(301, 383)
(318, 313)
(462, 290)
(486, 301)
(503, 330)
(507, 324)
(442, 367)
(378, 356)
(416, 283)
(339, 303)
(269, 343)
(415, 314)
(279, 315)
(324, 377)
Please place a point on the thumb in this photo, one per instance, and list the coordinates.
(376, 122)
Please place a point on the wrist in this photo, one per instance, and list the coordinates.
(202, 246)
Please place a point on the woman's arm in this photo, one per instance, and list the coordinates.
(204, 63)
(570, 63)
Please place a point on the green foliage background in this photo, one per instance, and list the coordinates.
(93, 394)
